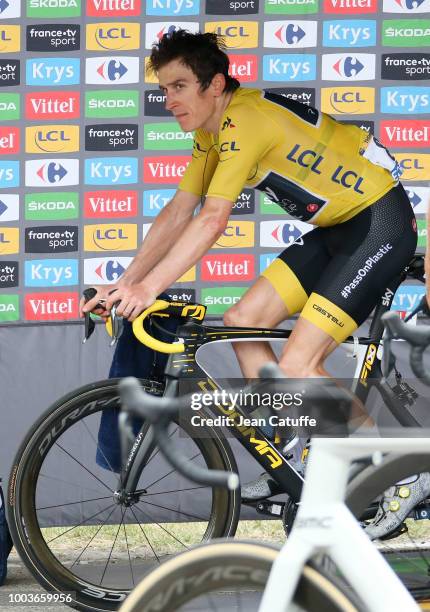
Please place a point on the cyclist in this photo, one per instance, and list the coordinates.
(332, 175)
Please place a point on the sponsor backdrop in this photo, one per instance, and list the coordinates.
(89, 156)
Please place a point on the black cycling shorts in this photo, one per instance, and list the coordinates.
(335, 275)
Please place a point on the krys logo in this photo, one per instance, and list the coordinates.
(418, 197)
(406, 66)
(59, 37)
(111, 171)
(10, 38)
(405, 133)
(155, 200)
(9, 308)
(10, 9)
(55, 71)
(161, 8)
(10, 106)
(166, 136)
(231, 7)
(9, 240)
(110, 237)
(415, 166)
(51, 173)
(9, 73)
(9, 274)
(291, 67)
(291, 7)
(406, 33)
(51, 206)
(54, 105)
(244, 67)
(9, 207)
(227, 268)
(52, 139)
(406, 6)
(350, 7)
(121, 70)
(111, 137)
(237, 234)
(51, 306)
(167, 169)
(290, 34)
(283, 233)
(347, 67)
(113, 8)
(113, 36)
(112, 104)
(220, 299)
(357, 33)
(53, 8)
(237, 35)
(9, 140)
(51, 272)
(51, 239)
(9, 174)
(100, 204)
(155, 31)
(105, 270)
(405, 100)
(348, 100)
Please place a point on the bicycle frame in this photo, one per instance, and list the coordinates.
(184, 365)
(324, 525)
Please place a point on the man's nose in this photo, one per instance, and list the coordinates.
(170, 101)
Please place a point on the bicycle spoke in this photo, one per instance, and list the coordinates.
(68, 483)
(129, 557)
(84, 467)
(80, 524)
(113, 546)
(84, 423)
(94, 536)
(158, 449)
(172, 535)
(168, 473)
(193, 516)
(143, 491)
(81, 501)
(145, 536)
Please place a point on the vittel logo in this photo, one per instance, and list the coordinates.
(225, 268)
(9, 140)
(356, 33)
(350, 6)
(100, 204)
(244, 67)
(113, 8)
(405, 133)
(51, 306)
(290, 34)
(172, 7)
(164, 169)
(155, 31)
(53, 105)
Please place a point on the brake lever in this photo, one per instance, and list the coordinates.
(117, 325)
(89, 323)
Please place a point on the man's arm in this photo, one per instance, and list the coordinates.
(168, 225)
(197, 238)
(427, 257)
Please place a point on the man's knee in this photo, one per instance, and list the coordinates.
(240, 316)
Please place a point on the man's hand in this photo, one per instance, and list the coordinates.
(101, 296)
(133, 300)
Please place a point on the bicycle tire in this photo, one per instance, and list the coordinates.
(405, 553)
(24, 515)
(211, 572)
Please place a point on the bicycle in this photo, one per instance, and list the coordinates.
(222, 573)
(149, 498)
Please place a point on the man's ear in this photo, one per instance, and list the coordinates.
(218, 84)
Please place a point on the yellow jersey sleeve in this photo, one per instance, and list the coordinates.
(200, 170)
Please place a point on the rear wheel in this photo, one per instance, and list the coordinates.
(69, 527)
(230, 576)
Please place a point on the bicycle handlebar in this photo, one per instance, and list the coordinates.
(158, 411)
(418, 338)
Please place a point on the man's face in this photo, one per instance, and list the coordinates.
(191, 106)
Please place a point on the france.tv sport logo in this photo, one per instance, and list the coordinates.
(121, 70)
(291, 67)
(290, 35)
(351, 33)
(55, 38)
(113, 36)
(51, 172)
(54, 71)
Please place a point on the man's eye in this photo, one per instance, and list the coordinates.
(178, 86)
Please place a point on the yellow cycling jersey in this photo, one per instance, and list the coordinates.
(317, 169)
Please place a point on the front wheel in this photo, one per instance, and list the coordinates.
(230, 576)
(72, 531)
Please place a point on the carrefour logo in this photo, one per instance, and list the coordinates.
(166, 136)
(120, 70)
(9, 207)
(283, 233)
(51, 172)
(55, 71)
(155, 31)
(405, 100)
(406, 6)
(351, 33)
(104, 270)
(347, 67)
(175, 8)
(348, 100)
(51, 272)
(237, 34)
(155, 200)
(419, 198)
(10, 9)
(290, 34)
(113, 36)
(406, 33)
(291, 67)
